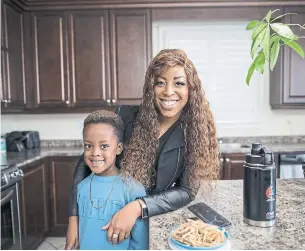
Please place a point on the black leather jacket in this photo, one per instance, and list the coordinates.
(172, 190)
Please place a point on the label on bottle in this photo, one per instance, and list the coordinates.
(270, 194)
(270, 215)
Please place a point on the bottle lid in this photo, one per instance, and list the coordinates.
(260, 155)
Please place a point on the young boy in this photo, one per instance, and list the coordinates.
(105, 191)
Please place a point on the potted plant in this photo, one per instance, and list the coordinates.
(267, 38)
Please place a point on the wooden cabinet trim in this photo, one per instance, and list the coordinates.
(119, 4)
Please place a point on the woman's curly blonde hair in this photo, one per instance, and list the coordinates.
(201, 147)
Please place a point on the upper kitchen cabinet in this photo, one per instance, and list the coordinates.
(49, 41)
(13, 96)
(89, 58)
(287, 81)
(130, 40)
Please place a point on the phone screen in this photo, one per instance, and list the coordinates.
(209, 215)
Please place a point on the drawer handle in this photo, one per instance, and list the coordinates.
(7, 197)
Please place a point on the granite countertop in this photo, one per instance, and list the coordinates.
(29, 156)
(227, 199)
(246, 148)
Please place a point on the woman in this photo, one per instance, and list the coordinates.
(171, 145)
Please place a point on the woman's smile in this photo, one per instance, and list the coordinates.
(171, 92)
(169, 103)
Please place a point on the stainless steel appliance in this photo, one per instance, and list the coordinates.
(10, 212)
(292, 165)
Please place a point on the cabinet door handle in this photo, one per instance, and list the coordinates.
(67, 102)
(9, 101)
(113, 101)
(108, 101)
(228, 160)
(4, 102)
(221, 160)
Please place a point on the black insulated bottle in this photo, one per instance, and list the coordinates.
(259, 187)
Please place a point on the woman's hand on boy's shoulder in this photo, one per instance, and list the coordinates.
(122, 222)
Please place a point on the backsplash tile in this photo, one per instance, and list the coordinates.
(61, 143)
(300, 139)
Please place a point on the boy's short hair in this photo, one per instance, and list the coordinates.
(106, 117)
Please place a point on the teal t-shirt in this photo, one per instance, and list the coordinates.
(91, 220)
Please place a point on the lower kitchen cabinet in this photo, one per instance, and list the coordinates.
(233, 165)
(34, 204)
(61, 177)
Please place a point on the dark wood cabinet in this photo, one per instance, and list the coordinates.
(287, 81)
(74, 66)
(12, 59)
(61, 177)
(89, 58)
(130, 32)
(49, 41)
(233, 166)
(34, 204)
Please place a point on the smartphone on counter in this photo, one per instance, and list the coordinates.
(209, 215)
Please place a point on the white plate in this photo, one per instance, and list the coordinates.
(173, 246)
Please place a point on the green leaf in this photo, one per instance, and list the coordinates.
(250, 73)
(260, 28)
(259, 62)
(283, 30)
(268, 16)
(256, 42)
(274, 38)
(293, 45)
(275, 49)
(252, 25)
(266, 43)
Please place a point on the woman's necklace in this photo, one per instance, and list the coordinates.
(92, 203)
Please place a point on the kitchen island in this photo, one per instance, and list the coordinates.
(227, 198)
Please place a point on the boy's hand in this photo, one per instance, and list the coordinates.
(72, 234)
(122, 222)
